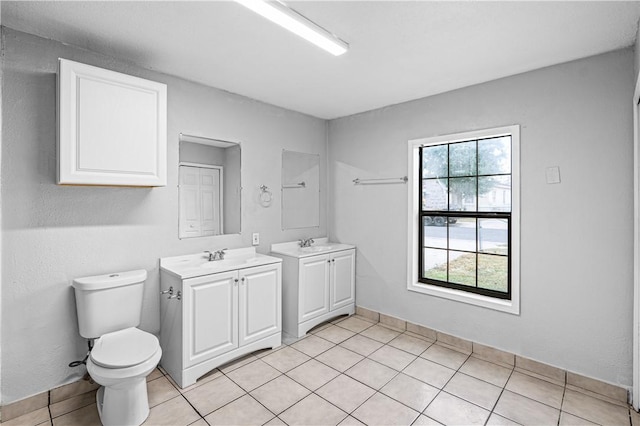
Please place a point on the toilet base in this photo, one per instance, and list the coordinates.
(123, 405)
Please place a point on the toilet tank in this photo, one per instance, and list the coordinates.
(107, 303)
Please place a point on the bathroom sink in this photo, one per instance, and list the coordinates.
(316, 249)
(228, 262)
(198, 264)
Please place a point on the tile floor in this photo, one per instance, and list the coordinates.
(353, 372)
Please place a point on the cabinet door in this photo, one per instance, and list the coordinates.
(343, 289)
(313, 292)
(260, 302)
(112, 128)
(210, 316)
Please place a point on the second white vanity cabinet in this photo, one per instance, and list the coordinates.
(318, 284)
(218, 316)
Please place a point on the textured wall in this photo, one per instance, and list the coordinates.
(52, 234)
(576, 237)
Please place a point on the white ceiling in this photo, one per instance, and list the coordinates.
(399, 50)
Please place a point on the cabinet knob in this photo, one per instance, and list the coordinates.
(235, 281)
(333, 260)
(242, 280)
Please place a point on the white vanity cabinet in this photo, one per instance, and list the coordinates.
(112, 128)
(219, 317)
(318, 284)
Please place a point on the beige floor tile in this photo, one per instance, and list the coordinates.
(87, 416)
(429, 372)
(594, 409)
(242, 411)
(567, 419)
(176, 411)
(351, 421)
(445, 356)
(68, 391)
(335, 334)
(313, 410)
(409, 343)
(487, 371)
(537, 389)
(371, 373)
(473, 390)
(213, 395)
(345, 393)
(237, 363)
(155, 374)
(525, 411)
(497, 420)
(382, 410)
(160, 390)
(33, 418)
(285, 359)
(313, 345)
(339, 358)
(423, 420)
(36, 402)
(275, 422)
(252, 375)
(211, 375)
(596, 395)
(66, 406)
(380, 333)
(264, 352)
(312, 374)
(362, 345)
(392, 357)
(320, 327)
(635, 417)
(280, 394)
(409, 391)
(354, 324)
(451, 410)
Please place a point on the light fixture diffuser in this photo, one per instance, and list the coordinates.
(281, 14)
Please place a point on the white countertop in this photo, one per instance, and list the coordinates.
(195, 265)
(320, 246)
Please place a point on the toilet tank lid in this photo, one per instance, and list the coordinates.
(118, 279)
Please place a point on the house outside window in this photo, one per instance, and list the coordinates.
(464, 217)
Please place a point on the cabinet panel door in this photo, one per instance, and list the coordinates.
(210, 316)
(343, 289)
(112, 127)
(314, 287)
(260, 303)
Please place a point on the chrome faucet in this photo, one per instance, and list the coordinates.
(216, 255)
(305, 242)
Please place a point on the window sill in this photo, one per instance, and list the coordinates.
(508, 306)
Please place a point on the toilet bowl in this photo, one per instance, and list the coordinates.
(109, 308)
(120, 362)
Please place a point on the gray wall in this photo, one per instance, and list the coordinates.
(52, 234)
(576, 238)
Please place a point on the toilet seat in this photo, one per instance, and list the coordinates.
(124, 348)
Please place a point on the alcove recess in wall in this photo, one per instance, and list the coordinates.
(112, 128)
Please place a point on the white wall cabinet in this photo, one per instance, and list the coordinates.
(316, 287)
(112, 128)
(220, 317)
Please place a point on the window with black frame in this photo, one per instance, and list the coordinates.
(465, 215)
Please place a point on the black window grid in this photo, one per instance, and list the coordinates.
(447, 214)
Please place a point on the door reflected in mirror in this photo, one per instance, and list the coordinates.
(209, 187)
(300, 190)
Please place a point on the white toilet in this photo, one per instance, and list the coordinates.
(109, 310)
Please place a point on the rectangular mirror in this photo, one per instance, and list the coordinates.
(300, 190)
(209, 187)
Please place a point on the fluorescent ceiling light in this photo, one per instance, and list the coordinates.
(278, 12)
